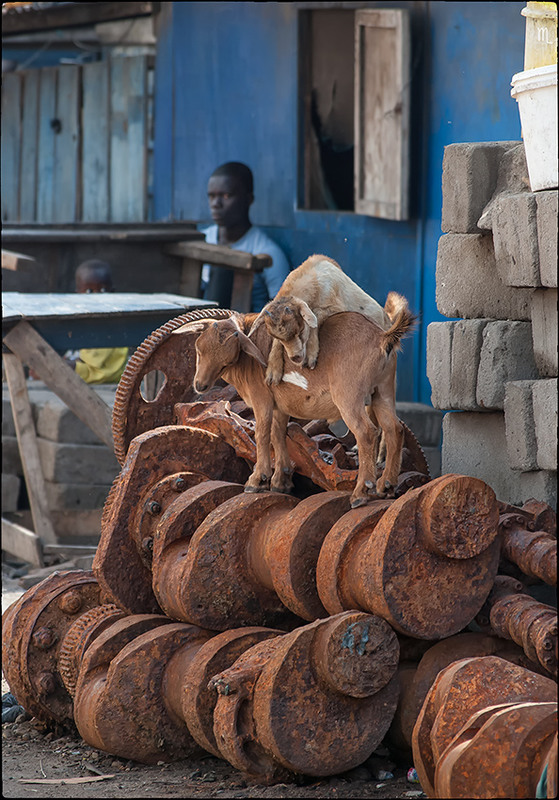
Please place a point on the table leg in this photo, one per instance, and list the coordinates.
(28, 448)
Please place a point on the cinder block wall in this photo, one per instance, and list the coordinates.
(78, 468)
(493, 365)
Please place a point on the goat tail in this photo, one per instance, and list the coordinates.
(394, 304)
(403, 322)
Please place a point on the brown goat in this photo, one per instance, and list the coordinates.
(358, 361)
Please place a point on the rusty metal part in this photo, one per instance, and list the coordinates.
(519, 617)
(159, 466)
(551, 764)
(128, 689)
(322, 458)
(170, 353)
(543, 516)
(461, 690)
(417, 679)
(499, 752)
(424, 562)
(535, 552)
(315, 701)
(34, 633)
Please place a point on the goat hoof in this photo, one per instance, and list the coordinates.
(359, 501)
(255, 489)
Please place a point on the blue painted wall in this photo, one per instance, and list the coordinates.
(227, 89)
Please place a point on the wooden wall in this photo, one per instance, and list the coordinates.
(76, 141)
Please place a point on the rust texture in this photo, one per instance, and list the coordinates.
(535, 552)
(36, 630)
(417, 678)
(171, 354)
(510, 613)
(424, 562)
(160, 465)
(485, 730)
(337, 676)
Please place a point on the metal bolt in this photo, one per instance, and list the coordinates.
(46, 683)
(147, 544)
(44, 638)
(179, 485)
(71, 602)
(154, 508)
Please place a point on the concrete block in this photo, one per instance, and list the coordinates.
(11, 459)
(10, 492)
(57, 423)
(77, 463)
(512, 179)
(475, 444)
(515, 238)
(468, 284)
(547, 214)
(433, 458)
(506, 355)
(545, 422)
(439, 351)
(470, 172)
(466, 350)
(425, 422)
(77, 496)
(522, 448)
(544, 331)
(541, 484)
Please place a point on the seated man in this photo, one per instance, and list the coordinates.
(101, 364)
(230, 194)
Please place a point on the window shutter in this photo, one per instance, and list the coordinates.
(382, 112)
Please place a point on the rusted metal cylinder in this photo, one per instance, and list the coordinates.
(332, 682)
(417, 679)
(479, 686)
(39, 662)
(142, 691)
(535, 552)
(159, 465)
(249, 561)
(425, 562)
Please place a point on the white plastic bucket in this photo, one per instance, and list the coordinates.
(535, 90)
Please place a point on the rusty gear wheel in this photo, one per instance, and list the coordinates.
(132, 414)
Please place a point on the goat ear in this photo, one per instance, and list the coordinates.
(192, 327)
(250, 348)
(308, 315)
(258, 321)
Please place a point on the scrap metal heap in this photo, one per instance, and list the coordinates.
(292, 634)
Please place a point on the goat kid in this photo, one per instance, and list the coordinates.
(314, 291)
(358, 361)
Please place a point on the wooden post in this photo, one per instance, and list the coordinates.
(28, 448)
(32, 349)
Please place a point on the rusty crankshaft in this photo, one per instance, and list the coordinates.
(486, 729)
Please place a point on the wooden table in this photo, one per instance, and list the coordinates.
(34, 328)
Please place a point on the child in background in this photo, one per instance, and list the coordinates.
(102, 364)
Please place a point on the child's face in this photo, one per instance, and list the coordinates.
(91, 285)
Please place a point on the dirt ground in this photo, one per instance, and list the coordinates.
(68, 768)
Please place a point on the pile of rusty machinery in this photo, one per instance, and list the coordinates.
(290, 634)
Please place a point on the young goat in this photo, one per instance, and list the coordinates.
(314, 291)
(358, 361)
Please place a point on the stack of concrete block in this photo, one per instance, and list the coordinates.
(495, 368)
(77, 467)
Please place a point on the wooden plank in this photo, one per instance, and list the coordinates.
(67, 145)
(45, 154)
(70, 549)
(15, 261)
(92, 233)
(382, 110)
(191, 277)
(241, 291)
(95, 137)
(11, 145)
(128, 138)
(28, 448)
(29, 146)
(32, 349)
(22, 543)
(220, 255)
